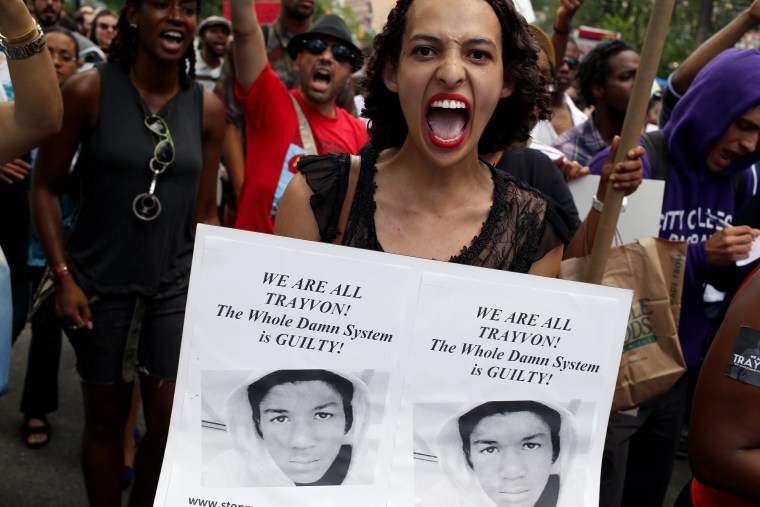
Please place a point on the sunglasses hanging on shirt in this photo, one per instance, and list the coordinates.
(147, 206)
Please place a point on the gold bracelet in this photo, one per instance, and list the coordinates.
(25, 49)
(19, 39)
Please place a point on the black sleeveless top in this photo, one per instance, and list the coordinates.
(112, 251)
(521, 227)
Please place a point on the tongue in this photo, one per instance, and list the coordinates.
(447, 124)
(171, 44)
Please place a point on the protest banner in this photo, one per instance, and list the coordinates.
(589, 37)
(309, 364)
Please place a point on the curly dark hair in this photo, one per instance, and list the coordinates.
(595, 67)
(514, 116)
(123, 46)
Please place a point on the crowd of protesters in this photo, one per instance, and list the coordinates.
(122, 131)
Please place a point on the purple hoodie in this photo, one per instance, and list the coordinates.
(725, 88)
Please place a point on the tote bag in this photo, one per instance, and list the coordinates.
(651, 361)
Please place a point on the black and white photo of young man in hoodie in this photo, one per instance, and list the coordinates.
(295, 428)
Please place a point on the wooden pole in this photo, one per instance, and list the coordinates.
(634, 122)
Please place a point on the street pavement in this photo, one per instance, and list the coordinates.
(51, 476)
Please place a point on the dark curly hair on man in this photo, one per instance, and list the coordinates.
(596, 66)
(124, 44)
(514, 116)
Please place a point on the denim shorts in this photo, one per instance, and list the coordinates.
(130, 334)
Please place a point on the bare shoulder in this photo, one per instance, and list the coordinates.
(212, 105)
(295, 218)
(213, 112)
(81, 95)
(83, 84)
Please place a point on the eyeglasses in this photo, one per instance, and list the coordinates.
(107, 26)
(340, 52)
(147, 206)
(571, 62)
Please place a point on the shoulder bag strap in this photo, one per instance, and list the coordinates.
(353, 179)
(309, 147)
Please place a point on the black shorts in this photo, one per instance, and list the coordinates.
(130, 334)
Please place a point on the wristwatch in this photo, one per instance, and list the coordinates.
(27, 49)
(598, 205)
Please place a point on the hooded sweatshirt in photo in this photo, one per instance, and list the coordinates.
(249, 463)
(462, 488)
(722, 91)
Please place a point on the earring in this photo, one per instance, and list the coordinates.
(133, 26)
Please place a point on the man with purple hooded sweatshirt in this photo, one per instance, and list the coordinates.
(712, 135)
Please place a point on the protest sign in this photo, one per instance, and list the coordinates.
(308, 364)
(642, 214)
(498, 348)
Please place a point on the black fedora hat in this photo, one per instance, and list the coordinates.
(329, 25)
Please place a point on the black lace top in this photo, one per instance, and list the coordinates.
(521, 227)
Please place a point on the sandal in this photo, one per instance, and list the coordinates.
(29, 431)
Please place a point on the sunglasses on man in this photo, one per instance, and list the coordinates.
(341, 53)
(572, 63)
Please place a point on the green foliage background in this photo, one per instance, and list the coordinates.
(630, 18)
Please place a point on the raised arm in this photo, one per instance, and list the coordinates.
(726, 38)
(37, 111)
(250, 50)
(562, 27)
(724, 444)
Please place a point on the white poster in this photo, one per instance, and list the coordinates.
(316, 375)
(514, 411)
(641, 218)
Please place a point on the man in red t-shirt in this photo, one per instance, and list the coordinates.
(324, 57)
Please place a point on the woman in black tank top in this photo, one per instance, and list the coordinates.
(150, 142)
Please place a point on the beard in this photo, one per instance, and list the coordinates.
(294, 11)
(47, 17)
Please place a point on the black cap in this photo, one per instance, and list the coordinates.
(329, 25)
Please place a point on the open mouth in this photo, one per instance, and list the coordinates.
(172, 40)
(321, 79)
(725, 157)
(447, 118)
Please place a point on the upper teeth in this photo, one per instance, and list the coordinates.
(449, 104)
(176, 35)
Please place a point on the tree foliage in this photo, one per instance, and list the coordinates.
(630, 18)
